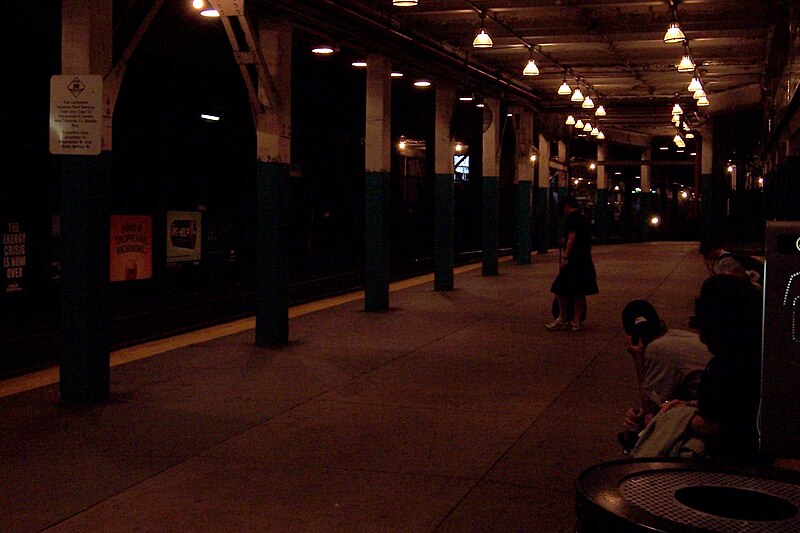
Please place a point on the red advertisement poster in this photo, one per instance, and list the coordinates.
(131, 247)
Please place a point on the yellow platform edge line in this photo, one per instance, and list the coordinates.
(49, 376)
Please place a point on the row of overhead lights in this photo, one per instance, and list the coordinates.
(674, 35)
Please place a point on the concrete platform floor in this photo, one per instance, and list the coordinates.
(453, 411)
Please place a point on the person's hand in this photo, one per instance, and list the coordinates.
(666, 406)
(636, 350)
(634, 419)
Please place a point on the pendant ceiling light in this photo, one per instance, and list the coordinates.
(595, 132)
(577, 96)
(531, 69)
(676, 119)
(601, 111)
(588, 103)
(570, 120)
(404, 3)
(587, 127)
(579, 124)
(703, 101)
(601, 135)
(564, 89)
(689, 135)
(676, 109)
(674, 34)
(686, 64)
(482, 40)
(695, 85)
(699, 93)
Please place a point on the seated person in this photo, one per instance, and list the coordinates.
(721, 261)
(668, 364)
(728, 396)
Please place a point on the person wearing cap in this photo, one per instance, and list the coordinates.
(668, 362)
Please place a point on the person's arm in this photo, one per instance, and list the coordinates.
(704, 427)
(637, 354)
(568, 247)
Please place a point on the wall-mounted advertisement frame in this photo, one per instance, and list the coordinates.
(131, 250)
(184, 232)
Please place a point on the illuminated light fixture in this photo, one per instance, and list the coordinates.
(676, 109)
(205, 9)
(686, 64)
(595, 132)
(466, 98)
(695, 85)
(322, 50)
(679, 151)
(459, 147)
(482, 40)
(509, 114)
(592, 166)
(570, 121)
(533, 158)
(401, 145)
(577, 96)
(404, 3)
(422, 83)
(530, 69)
(587, 127)
(564, 89)
(692, 153)
(676, 119)
(601, 135)
(579, 124)
(674, 34)
(663, 148)
(396, 74)
(654, 221)
(686, 126)
(684, 194)
(689, 135)
(588, 103)
(698, 94)
(601, 111)
(359, 64)
(703, 101)
(209, 118)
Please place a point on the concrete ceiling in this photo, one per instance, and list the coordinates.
(613, 48)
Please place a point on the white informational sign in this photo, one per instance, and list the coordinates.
(184, 232)
(76, 114)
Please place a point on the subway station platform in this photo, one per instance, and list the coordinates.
(453, 411)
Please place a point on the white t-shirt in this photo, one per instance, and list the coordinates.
(668, 359)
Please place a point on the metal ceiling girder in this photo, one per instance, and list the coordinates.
(247, 53)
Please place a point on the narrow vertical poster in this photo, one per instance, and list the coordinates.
(14, 257)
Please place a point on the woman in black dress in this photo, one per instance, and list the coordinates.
(576, 276)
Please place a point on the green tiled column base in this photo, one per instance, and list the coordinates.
(85, 308)
(376, 254)
(542, 219)
(601, 217)
(444, 222)
(522, 222)
(491, 221)
(272, 300)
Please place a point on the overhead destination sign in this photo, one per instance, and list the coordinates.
(76, 114)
